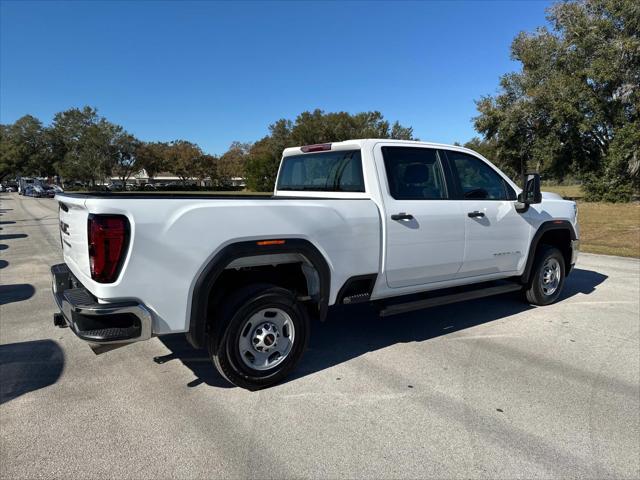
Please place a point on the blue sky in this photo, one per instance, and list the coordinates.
(214, 72)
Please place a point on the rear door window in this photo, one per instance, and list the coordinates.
(414, 173)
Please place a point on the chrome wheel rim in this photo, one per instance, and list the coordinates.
(266, 338)
(550, 276)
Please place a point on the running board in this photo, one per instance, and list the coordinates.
(447, 299)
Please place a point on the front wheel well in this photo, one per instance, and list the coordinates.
(560, 239)
(558, 234)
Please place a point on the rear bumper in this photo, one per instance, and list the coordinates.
(101, 323)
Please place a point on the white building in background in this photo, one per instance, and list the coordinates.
(141, 178)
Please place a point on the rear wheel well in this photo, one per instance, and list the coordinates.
(293, 263)
(289, 276)
(300, 278)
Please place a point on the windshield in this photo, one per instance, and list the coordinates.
(339, 171)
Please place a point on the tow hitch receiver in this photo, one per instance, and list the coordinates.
(59, 321)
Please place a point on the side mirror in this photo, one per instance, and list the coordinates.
(531, 193)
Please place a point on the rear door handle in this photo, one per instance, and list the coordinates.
(401, 216)
(475, 214)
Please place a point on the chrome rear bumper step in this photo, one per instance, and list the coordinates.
(103, 323)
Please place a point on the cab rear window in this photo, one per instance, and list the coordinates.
(333, 171)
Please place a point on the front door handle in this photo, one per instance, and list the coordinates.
(475, 214)
(402, 216)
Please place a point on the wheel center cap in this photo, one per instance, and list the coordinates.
(265, 337)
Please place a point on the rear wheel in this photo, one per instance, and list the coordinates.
(547, 277)
(266, 333)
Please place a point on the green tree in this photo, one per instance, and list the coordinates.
(618, 179)
(321, 127)
(152, 157)
(25, 148)
(67, 130)
(489, 150)
(262, 166)
(10, 159)
(124, 153)
(206, 166)
(182, 159)
(579, 88)
(233, 162)
(83, 143)
(313, 127)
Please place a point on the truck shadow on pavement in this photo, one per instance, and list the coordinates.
(197, 361)
(28, 366)
(351, 331)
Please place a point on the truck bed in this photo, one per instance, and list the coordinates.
(174, 235)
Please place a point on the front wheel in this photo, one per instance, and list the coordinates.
(266, 333)
(547, 277)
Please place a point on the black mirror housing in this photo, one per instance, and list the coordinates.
(531, 193)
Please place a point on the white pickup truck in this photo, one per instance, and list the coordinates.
(406, 225)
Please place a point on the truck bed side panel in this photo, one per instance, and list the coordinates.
(173, 239)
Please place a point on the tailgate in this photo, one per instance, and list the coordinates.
(73, 233)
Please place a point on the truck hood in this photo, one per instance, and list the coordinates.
(551, 196)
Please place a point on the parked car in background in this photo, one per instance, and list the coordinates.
(48, 191)
(118, 186)
(33, 190)
(24, 182)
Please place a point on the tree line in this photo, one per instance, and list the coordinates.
(81, 145)
(571, 112)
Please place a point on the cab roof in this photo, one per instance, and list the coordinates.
(365, 142)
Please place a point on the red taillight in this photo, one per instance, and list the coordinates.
(108, 237)
(320, 147)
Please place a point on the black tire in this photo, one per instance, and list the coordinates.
(236, 312)
(537, 292)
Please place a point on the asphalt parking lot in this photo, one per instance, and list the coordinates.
(486, 389)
